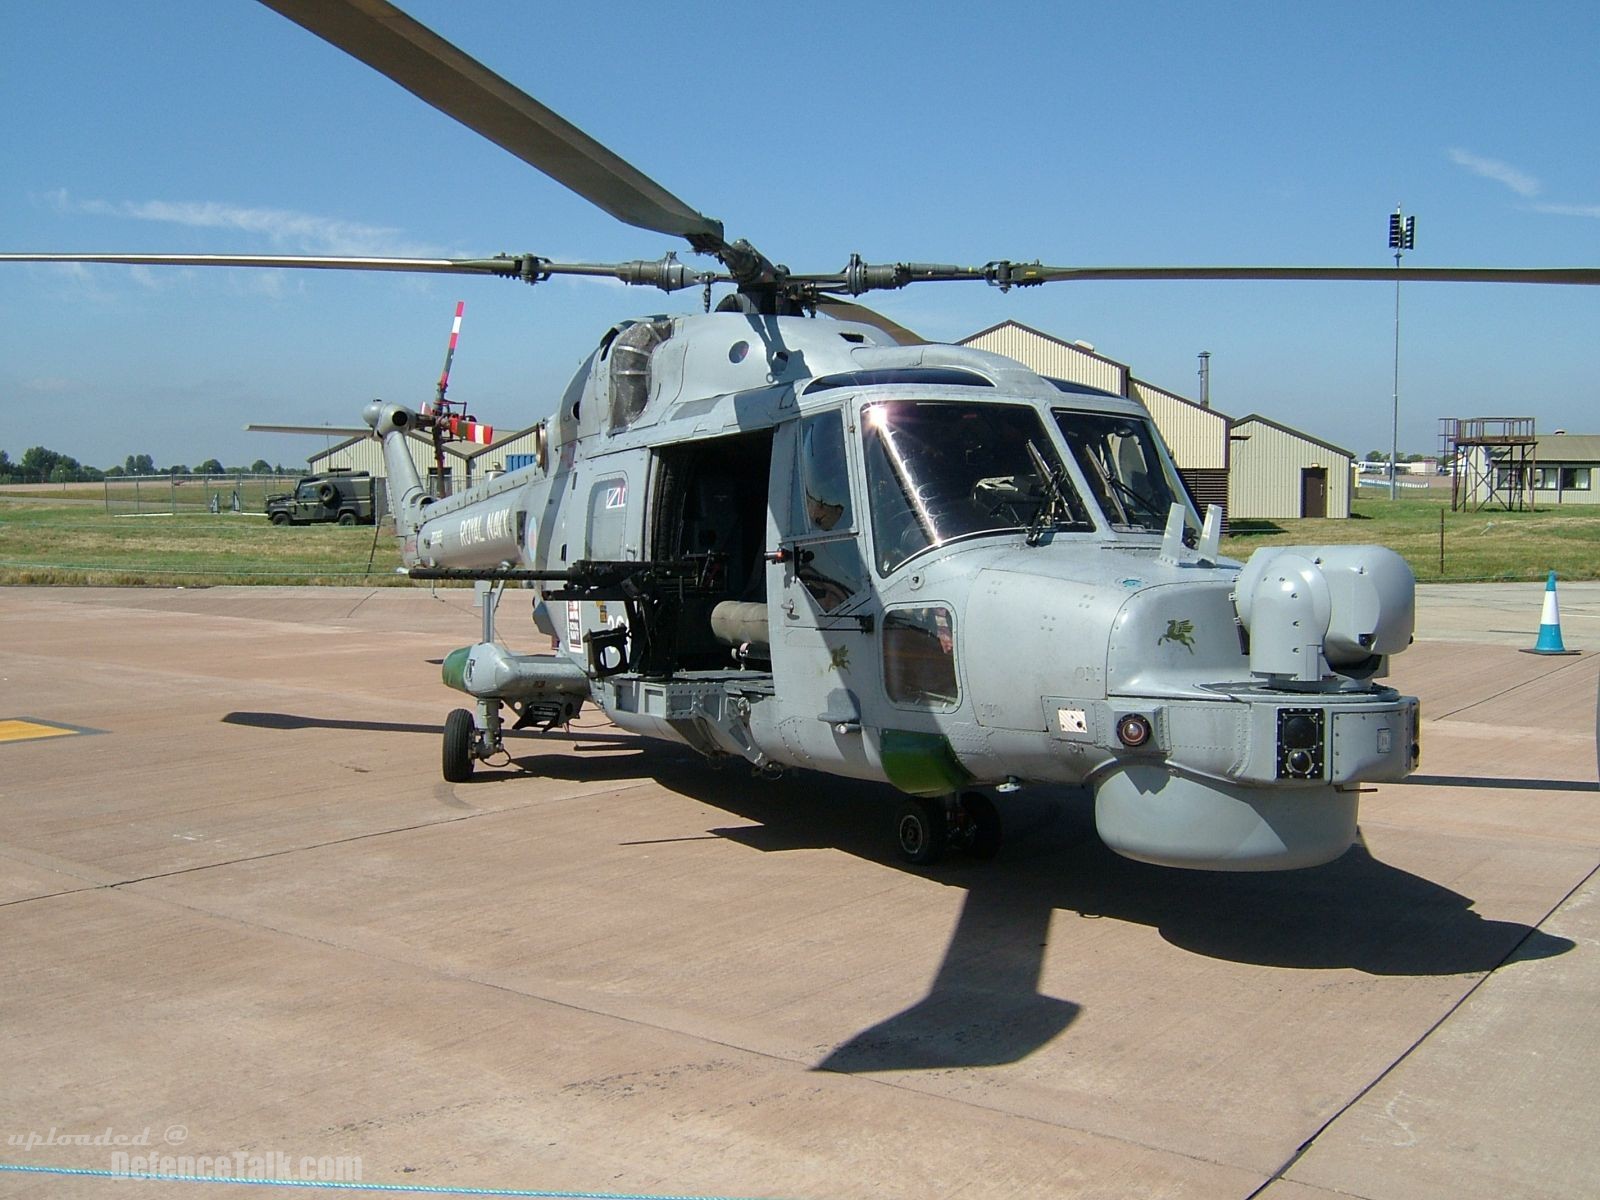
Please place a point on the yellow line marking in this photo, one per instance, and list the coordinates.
(14, 729)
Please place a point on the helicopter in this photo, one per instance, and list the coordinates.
(789, 532)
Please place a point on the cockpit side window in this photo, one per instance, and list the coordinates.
(824, 474)
(828, 557)
(1128, 475)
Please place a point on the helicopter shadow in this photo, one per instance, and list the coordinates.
(294, 721)
(983, 1006)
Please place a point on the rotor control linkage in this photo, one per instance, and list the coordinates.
(859, 276)
(665, 273)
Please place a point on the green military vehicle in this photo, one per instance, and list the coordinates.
(346, 497)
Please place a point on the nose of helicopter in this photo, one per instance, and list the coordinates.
(1148, 813)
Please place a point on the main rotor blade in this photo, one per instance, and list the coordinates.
(843, 310)
(422, 62)
(1023, 274)
(859, 277)
(303, 261)
(665, 273)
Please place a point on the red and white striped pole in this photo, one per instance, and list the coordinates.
(450, 352)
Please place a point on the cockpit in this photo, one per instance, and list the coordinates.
(938, 471)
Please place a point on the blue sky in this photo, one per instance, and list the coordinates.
(1139, 133)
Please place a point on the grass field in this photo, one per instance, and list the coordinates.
(67, 538)
(56, 540)
(1481, 546)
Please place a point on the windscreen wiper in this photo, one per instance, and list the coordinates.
(1045, 516)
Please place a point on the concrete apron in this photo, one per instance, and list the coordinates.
(250, 909)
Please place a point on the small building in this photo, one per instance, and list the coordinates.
(1503, 462)
(1279, 472)
(1557, 469)
(1565, 467)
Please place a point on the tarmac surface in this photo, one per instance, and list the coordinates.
(243, 918)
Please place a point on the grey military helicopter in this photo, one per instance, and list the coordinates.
(827, 544)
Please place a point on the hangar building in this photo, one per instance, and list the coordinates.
(1284, 473)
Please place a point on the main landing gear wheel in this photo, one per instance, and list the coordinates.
(460, 738)
(922, 830)
(978, 829)
(925, 828)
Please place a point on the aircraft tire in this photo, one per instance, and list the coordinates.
(459, 733)
(980, 820)
(922, 830)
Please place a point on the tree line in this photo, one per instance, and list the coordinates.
(41, 465)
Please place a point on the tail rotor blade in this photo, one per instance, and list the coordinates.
(450, 352)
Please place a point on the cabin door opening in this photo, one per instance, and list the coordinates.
(709, 499)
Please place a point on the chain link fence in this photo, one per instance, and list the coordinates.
(150, 495)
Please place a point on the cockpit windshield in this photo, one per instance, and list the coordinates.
(1121, 460)
(940, 470)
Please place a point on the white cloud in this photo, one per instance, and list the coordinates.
(1519, 182)
(1570, 210)
(286, 230)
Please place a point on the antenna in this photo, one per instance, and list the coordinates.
(1402, 237)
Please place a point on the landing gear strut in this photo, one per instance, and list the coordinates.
(468, 737)
(927, 827)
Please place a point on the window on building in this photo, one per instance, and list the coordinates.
(1575, 479)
